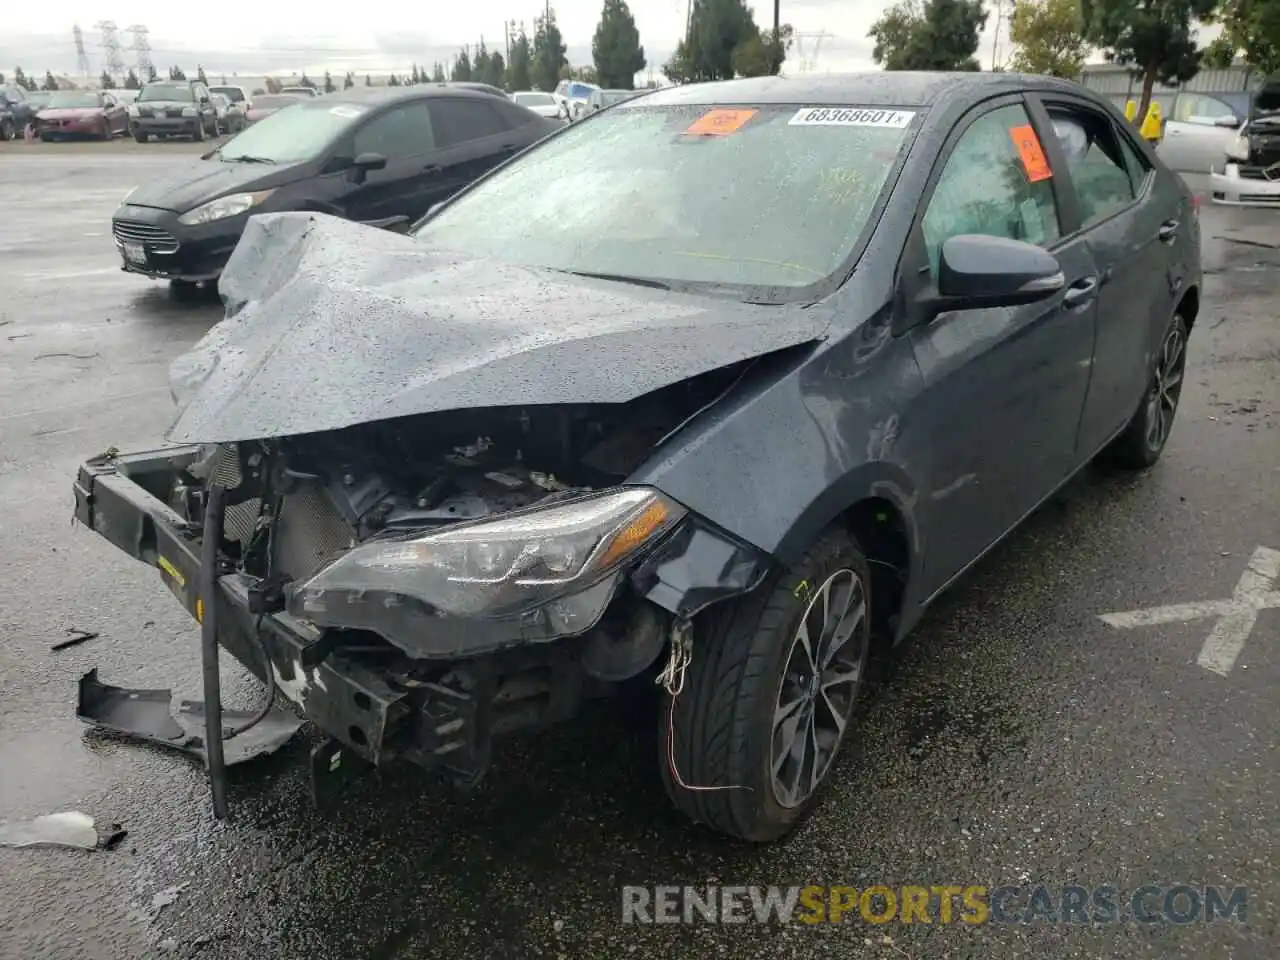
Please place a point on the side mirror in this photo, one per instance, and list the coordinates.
(976, 271)
(361, 165)
(1231, 123)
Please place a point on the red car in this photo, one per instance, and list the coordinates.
(82, 113)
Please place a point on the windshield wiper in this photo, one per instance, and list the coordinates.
(245, 158)
(620, 278)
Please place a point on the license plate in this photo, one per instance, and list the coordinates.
(134, 252)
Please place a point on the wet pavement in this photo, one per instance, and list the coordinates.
(1016, 739)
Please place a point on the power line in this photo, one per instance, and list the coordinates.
(141, 52)
(82, 58)
(110, 47)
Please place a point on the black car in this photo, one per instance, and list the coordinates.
(16, 111)
(376, 155)
(173, 108)
(758, 384)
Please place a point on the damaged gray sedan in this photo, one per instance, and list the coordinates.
(710, 389)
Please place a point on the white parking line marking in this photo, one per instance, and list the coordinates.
(38, 277)
(1236, 617)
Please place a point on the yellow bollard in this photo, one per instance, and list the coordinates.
(1153, 125)
(1130, 110)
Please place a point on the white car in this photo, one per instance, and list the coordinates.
(543, 104)
(574, 96)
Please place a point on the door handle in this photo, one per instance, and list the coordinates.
(1080, 293)
(1168, 231)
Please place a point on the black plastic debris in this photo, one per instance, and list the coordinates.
(146, 715)
(70, 828)
(75, 638)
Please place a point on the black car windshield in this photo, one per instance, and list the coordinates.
(70, 99)
(770, 196)
(298, 132)
(166, 91)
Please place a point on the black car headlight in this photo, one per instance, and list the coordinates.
(500, 568)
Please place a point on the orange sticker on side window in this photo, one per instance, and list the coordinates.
(718, 123)
(1031, 153)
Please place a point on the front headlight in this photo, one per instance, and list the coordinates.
(224, 207)
(1238, 149)
(499, 568)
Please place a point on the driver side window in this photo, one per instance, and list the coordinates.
(986, 188)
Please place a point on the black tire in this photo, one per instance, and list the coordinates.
(184, 291)
(141, 137)
(1144, 439)
(199, 135)
(720, 730)
(6, 130)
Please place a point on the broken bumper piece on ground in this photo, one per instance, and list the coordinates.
(145, 715)
(70, 828)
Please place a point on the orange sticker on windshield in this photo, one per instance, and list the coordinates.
(718, 123)
(1031, 153)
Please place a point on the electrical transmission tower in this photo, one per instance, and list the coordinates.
(82, 58)
(141, 51)
(807, 47)
(110, 47)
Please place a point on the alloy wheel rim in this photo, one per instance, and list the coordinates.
(819, 684)
(1166, 389)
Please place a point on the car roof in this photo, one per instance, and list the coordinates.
(881, 88)
(392, 94)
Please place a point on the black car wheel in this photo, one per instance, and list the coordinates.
(1143, 440)
(140, 137)
(199, 134)
(184, 291)
(6, 129)
(768, 694)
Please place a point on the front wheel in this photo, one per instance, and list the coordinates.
(6, 130)
(768, 695)
(1143, 440)
(140, 137)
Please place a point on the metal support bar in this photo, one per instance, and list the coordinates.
(212, 538)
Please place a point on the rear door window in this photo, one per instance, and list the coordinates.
(1095, 162)
(461, 121)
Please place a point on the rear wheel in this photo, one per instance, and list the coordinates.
(768, 695)
(105, 132)
(140, 137)
(1143, 440)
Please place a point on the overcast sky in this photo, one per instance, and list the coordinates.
(251, 36)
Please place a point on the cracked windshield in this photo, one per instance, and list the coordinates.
(721, 195)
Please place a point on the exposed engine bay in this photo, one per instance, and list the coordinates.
(326, 492)
(293, 505)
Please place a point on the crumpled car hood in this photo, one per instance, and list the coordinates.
(335, 324)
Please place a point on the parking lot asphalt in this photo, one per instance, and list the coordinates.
(1015, 739)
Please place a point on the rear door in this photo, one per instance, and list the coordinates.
(1125, 222)
(473, 137)
(1197, 133)
(1004, 387)
(403, 135)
